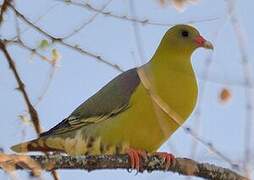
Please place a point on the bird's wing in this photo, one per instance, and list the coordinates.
(109, 101)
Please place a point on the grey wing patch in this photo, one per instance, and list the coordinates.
(109, 101)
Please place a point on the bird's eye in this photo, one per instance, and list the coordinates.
(185, 33)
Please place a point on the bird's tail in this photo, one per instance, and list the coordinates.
(33, 145)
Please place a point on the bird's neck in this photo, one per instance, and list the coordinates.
(168, 61)
(171, 76)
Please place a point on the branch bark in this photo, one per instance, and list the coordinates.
(61, 40)
(21, 87)
(182, 166)
(3, 9)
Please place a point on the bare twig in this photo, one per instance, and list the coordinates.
(8, 163)
(89, 7)
(21, 87)
(47, 84)
(248, 79)
(197, 113)
(211, 148)
(162, 105)
(30, 49)
(34, 51)
(182, 166)
(60, 41)
(19, 32)
(87, 22)
(4, 7)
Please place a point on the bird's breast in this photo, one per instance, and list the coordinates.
(144, 125)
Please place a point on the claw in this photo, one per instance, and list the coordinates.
(134, 156)
(168, 158)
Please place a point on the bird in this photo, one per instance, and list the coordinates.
(122, 118)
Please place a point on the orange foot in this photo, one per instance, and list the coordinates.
(134, 156)
(168, 158)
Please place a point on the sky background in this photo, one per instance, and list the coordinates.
(77, 76)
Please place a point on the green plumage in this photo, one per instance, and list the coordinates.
(122, 114)
(109, 101)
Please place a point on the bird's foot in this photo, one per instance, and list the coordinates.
(135, 160)
(168, 159)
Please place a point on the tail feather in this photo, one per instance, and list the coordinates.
(33, 145)
(24, 147)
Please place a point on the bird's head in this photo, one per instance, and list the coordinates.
(185, 39)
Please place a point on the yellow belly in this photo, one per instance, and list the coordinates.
(138, 127)
(143, 125)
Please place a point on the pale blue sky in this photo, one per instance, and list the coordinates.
(78, 76)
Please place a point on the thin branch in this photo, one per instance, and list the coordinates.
(45, 89)
(126, 18)
(33, 51)
(248, 80)
(30, 23)
(3, 9)
(211, 148)
(87, 22)
(60, 41)
(181, 166)
(21, 87)
(97, 57)
(197, 113)
(161, 104)
(44, 58)
(34, 22)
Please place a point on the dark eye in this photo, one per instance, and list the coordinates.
(185, 33)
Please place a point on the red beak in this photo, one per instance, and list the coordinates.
(201, 42)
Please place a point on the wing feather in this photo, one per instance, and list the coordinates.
(109, 101)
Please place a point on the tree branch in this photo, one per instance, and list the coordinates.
(181, 166)
(62, 42)
(145, 21)
(21, 87)
(3, 9)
